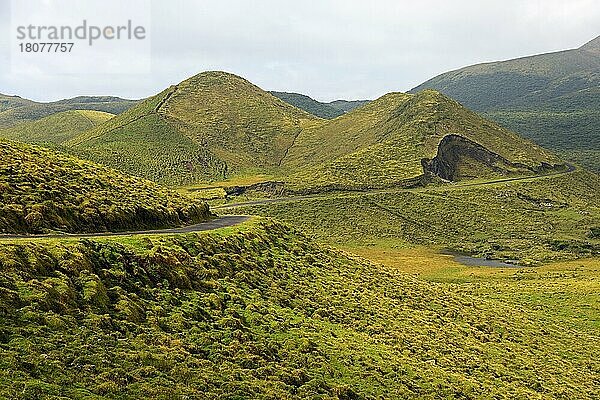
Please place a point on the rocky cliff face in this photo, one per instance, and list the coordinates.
(457, 154)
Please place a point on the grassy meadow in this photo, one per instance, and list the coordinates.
(340, 287)
(533, 220)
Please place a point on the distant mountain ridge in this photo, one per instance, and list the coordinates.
(323, 110)
(8, 102)
(348, 105)
(552, 98)
(15, 110)
(217, 126)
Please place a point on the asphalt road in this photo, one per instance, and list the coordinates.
(232, 220)
(216, 223)
(570, 168)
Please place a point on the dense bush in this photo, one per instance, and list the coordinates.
(594, 232)
(41, 190)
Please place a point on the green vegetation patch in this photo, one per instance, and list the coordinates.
(531, 220)
(262, 313)
(41, 190)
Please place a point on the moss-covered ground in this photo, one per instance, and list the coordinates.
(260, 312)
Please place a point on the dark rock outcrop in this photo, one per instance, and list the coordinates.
(454, 148)
(270, 188)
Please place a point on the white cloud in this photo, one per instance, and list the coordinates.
(332, 48)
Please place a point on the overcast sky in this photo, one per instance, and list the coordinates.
(328, 49)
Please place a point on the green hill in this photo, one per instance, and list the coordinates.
(14, 110)
(551, 98)
(323, 110)
(218, 126)
(348, 105)
(56, 128)
(41, 190)
(208, 127)
(8, 102)
(400, 137)
(308, 104)
(260, 312)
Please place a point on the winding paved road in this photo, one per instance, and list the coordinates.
(232, 220)
(216, 223)
(570, 168)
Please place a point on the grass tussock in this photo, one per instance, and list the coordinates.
(259, 312)
(42, 190)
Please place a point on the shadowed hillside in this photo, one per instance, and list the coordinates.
(323, 110)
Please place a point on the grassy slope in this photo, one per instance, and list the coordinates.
(8, 102)
(56, 128)
(208, 127)
(219, 127)
(551, 98)
(259, 312)
(532, 221)
(27, 110)
(43, 190)
(384, 142)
